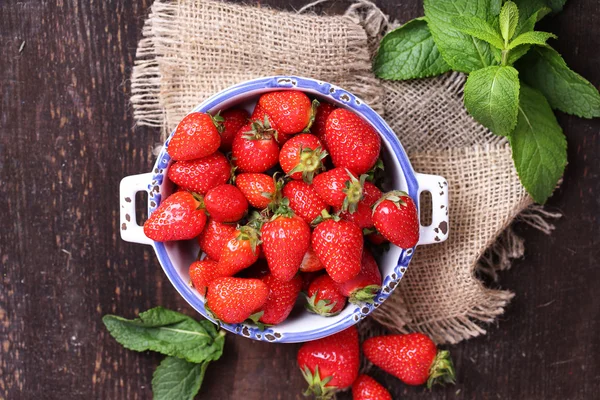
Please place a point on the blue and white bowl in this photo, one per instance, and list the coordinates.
(176, 257)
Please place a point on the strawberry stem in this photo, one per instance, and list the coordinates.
(322, 307)
(313, 114)
(218, 120)
(442, 370)
(364, 295)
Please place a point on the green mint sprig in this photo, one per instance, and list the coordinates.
(515, 78)
(189, 344)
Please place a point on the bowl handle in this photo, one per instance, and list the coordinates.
(438, 187)
(130, 230)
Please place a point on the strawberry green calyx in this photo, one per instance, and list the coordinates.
(249, 233)
(322, 307)
(277, 197)
(353, 191)
(324, 216)
(260, 130)
(256, 221)
(218, 121)
(442, 370)
(313, 114)
(311, 163)
(283, 209)
(395, 196)
(364, 295)
(317, 387)
(375, 173)
(255, 319)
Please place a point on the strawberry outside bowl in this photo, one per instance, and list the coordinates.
(301, 326)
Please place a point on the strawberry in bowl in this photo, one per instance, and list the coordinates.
(292, 204)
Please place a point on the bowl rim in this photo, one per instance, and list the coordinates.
(338, 96)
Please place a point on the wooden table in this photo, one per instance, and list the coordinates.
(66, 140)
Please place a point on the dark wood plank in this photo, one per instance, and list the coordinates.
(67, 138)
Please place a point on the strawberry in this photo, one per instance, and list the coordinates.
(259, 189)
(260, 115)
(338, 244)
(330, 364)
(178, 217)
(258, 270)
(367, 388)
(282, 297)
(234, 300)
(301, 156)
(395, 217)
(202, 174)
(226, 203)
(304, 200)
(412, 358)
(240, 251)
(324, 298)
(351, 141)
(202, 273)
(254, 147)
(310, 262)
(308, 278)
(365, 285)
(318, 127)
(363, 214)
(196, 136)
(291, 110)
(339, 188)
(214, 237)
(235, 119)
(285, 238)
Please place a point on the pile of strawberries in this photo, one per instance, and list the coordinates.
(287, 209)
(332, 363)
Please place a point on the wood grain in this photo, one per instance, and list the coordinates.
(67, 138)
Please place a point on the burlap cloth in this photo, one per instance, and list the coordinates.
(192, 49)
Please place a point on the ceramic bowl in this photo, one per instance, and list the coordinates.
(301, 326)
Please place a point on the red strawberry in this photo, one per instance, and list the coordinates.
(376, 237)
(214, 237)
(261, 116)
(178, 217)
(363, 214)
(395, 217)
(308, 278)
(202, 273)
(234, 300)
(310, 262)
(202, 174)
(352, 142)
(254, 148)
(340, 188)
(282, 297)
(196, 136)
(304, 200)
(226, 203)
(339, 246)
(324, 298)
(291, 110)
(412, 358)
(301, 157)
(318, 128)
(259, 189)
(331, 363)
(235, 119)
(367, 388)
(365, 285)
(239, 252)
(285, 238)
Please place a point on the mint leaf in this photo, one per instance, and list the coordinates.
(509, 17)
(534, 37)
(409, 52)
(517, 53)
(538, 144)
(177, 379)
(556, 5)
(492, 98)
(495, 6)
(168, 332)
(544, 69)
(530, 22)
(526, 9)
(478, 28)
(462, 52)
